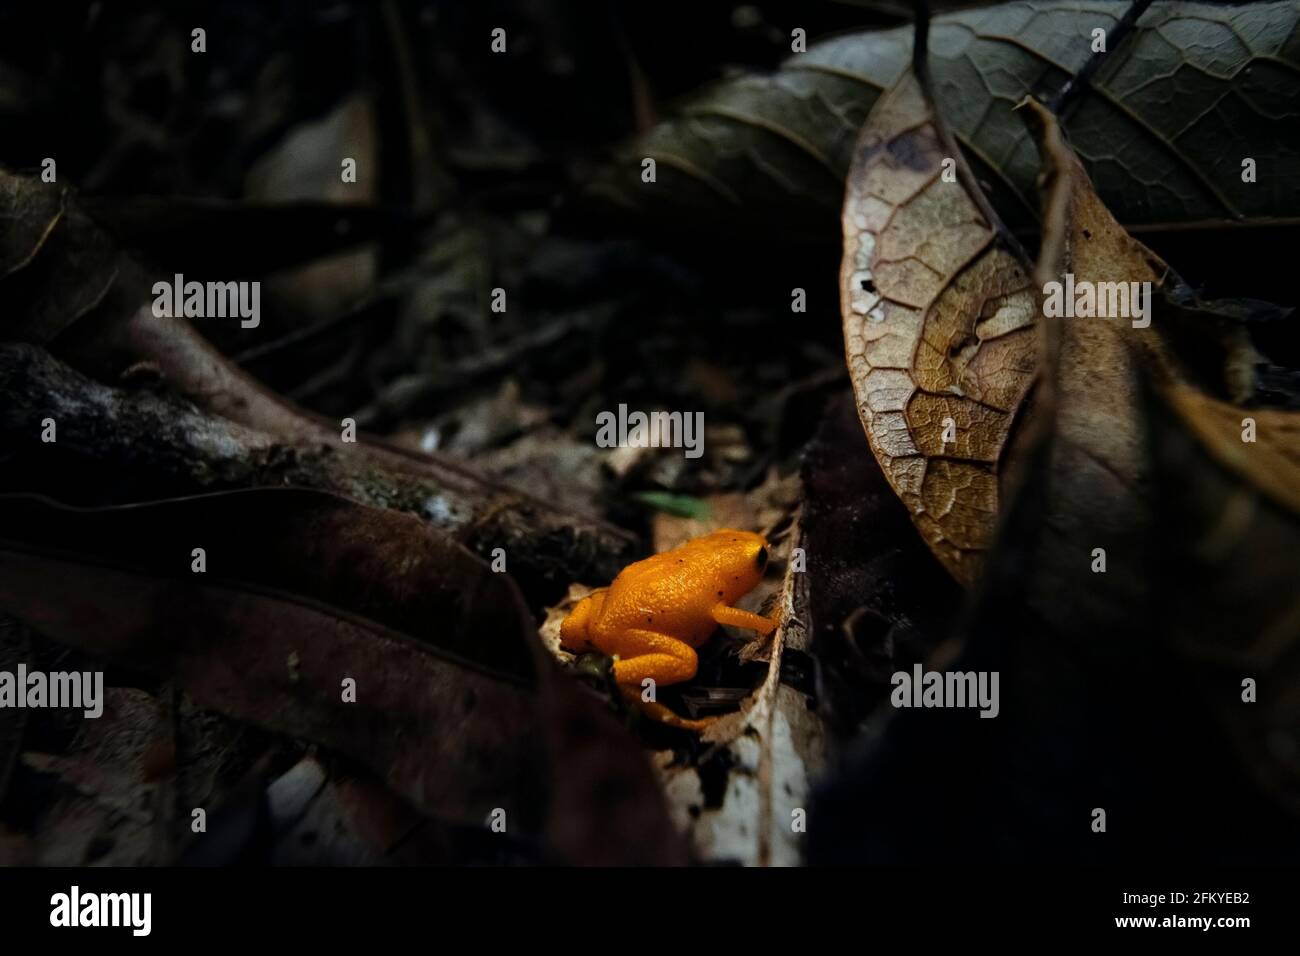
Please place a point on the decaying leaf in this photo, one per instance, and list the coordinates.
(1140, 596)
(1085, 241)
(1221, 500)
(938, 317)
(938, 327)
(279, 661)
(1270, 463)
(386, 566)
(105, 808)
(28, 214)
(69, 273)
(433, 640)
(879, 600)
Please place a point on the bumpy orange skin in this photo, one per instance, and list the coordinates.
(657, 611)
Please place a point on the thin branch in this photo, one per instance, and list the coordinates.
(1068, 96)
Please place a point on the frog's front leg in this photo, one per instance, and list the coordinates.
(735, 617)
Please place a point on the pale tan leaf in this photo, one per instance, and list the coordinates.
(938, 325)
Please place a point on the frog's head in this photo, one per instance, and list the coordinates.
(739, 557)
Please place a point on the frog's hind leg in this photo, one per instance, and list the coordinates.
(664, 715)
(663, 659)
(575, 629)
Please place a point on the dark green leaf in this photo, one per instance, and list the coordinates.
(1171, 114)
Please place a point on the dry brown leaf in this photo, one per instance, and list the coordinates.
(435, 641)
(938, 324)
(549, 631)
(390, 568)
(1089, 396)
(1271, 463)
(1098, 356)
(29, 213)
(1218, 570)
(68, 274)
(104, 807)
(1121, 456)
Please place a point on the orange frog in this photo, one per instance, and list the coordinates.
(658, 611)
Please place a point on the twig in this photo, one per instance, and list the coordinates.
(156, 445)
(1067, 97)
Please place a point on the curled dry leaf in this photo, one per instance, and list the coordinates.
(1271, 463)
(938, 327)
(1127, 686)
(1088, 418)
(1220, 574)
(1084, 240)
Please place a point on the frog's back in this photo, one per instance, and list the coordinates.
(658, 593)
(675, 592)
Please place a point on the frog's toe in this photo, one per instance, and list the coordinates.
(665, 715)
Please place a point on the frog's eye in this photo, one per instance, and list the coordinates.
(761, 559)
